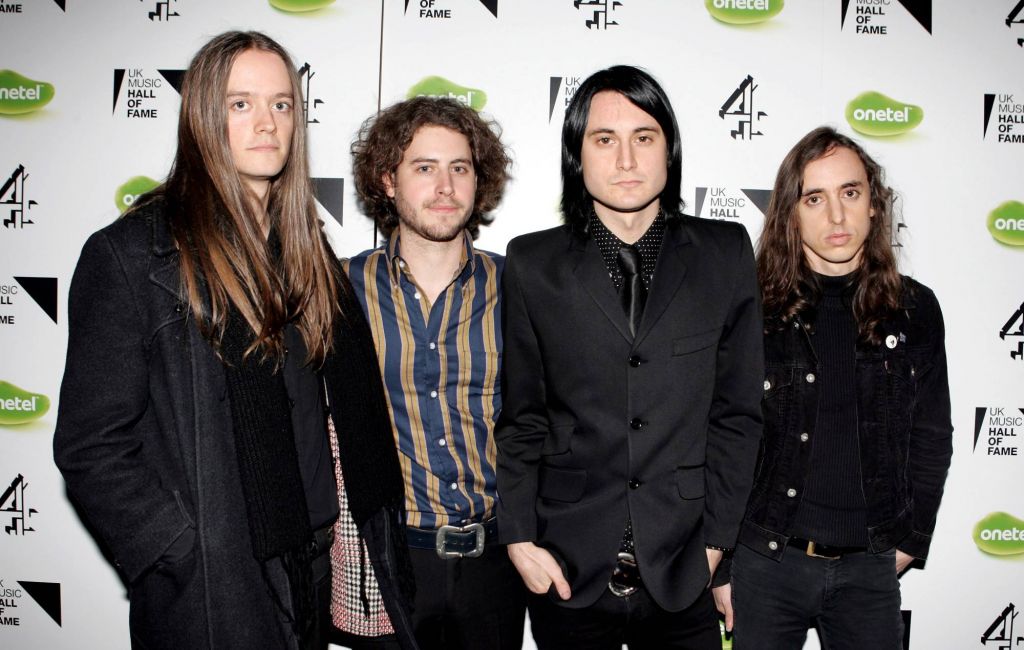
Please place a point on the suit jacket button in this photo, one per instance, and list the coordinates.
(634, 484)
(636, 424)
(634, 361)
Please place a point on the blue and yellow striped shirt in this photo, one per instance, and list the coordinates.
(441, 366)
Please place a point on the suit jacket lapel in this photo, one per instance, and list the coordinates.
(590, 269)
(668, 276)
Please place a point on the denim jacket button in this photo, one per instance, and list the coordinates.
(773, 545)
(790, 493)
(810, 378)
(804, 437)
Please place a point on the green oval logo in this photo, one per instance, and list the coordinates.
(1006, 223)
(18, 406)
(743, 12)
(873, 113)
(126, 194)
(19, 94)
(1000, 534)
(299, 6)
(441, 87)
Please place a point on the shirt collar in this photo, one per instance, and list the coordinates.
(467, 265)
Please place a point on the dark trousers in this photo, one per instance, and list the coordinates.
(635, 620)
(853, 601)
(468, 603)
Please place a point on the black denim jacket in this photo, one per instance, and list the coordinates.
(903, 423)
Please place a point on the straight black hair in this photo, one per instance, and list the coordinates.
(645, 93)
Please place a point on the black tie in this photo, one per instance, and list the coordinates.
(633, 295)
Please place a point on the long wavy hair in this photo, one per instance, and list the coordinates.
(384, 137)
(215, 218)
(642, 90)
(788, 285)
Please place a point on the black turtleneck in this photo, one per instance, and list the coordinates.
(833, 510)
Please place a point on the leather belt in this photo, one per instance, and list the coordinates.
(814, 549)
(451, 542)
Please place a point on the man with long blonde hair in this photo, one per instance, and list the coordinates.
(213, 344)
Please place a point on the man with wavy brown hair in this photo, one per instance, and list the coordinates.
(856, 414)
(209, 331)
(429, 171)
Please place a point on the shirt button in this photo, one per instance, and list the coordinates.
(791, 493)
(416, 295)
(634, 484)
(433, 394)
(804, 437)
(773, 545)
(433, 346)
(454, 486)
(767, 384)
(810, 378)
(442, 442)
(636, 424)
(634, 361)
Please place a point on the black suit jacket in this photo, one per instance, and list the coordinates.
(597, 426)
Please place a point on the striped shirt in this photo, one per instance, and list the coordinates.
(440, 363)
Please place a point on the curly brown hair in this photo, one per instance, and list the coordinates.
(788, 286)
(383, 139)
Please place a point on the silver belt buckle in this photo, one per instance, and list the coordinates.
(620, 590)
(444, 531)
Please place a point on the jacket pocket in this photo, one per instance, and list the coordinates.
(695, 342)
(690, 482)
(561, 483)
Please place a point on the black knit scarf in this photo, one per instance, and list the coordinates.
(268, 465)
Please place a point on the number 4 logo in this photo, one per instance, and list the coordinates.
(1015, 18)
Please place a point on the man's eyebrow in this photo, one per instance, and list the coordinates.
(248, 93)
(815, 190)
(605, 129)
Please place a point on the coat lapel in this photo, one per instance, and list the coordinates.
(668, 276)
(590, 270)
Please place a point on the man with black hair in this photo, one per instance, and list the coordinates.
(632, 382)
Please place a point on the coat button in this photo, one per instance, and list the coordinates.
(791, 493)
(773, 545)
(810, 378)
(634, 484)
(634, 361)
(767, 385)
(804, 437)
(636, 424)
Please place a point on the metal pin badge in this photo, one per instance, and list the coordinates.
(890, 341)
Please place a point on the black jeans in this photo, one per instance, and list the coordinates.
(468, 603)
(853, 601)
(635, 620)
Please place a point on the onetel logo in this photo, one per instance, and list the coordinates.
(873, 113)
(1000, 533)
(743, 12)
(18, 406)
(439, 87)
(299, 6)
(132, 189)
(1006, 223)
(19, 94)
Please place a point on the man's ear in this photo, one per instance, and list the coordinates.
(388, 179)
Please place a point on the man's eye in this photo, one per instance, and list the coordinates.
(239, 105)
(282, 106)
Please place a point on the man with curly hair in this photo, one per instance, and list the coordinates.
(428, 171)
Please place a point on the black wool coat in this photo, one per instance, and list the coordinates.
(145, 443)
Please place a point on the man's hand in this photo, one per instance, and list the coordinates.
(714, 557)
(902, 561)
(538, 569)
(723, 602)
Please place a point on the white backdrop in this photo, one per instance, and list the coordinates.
(63, 161)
